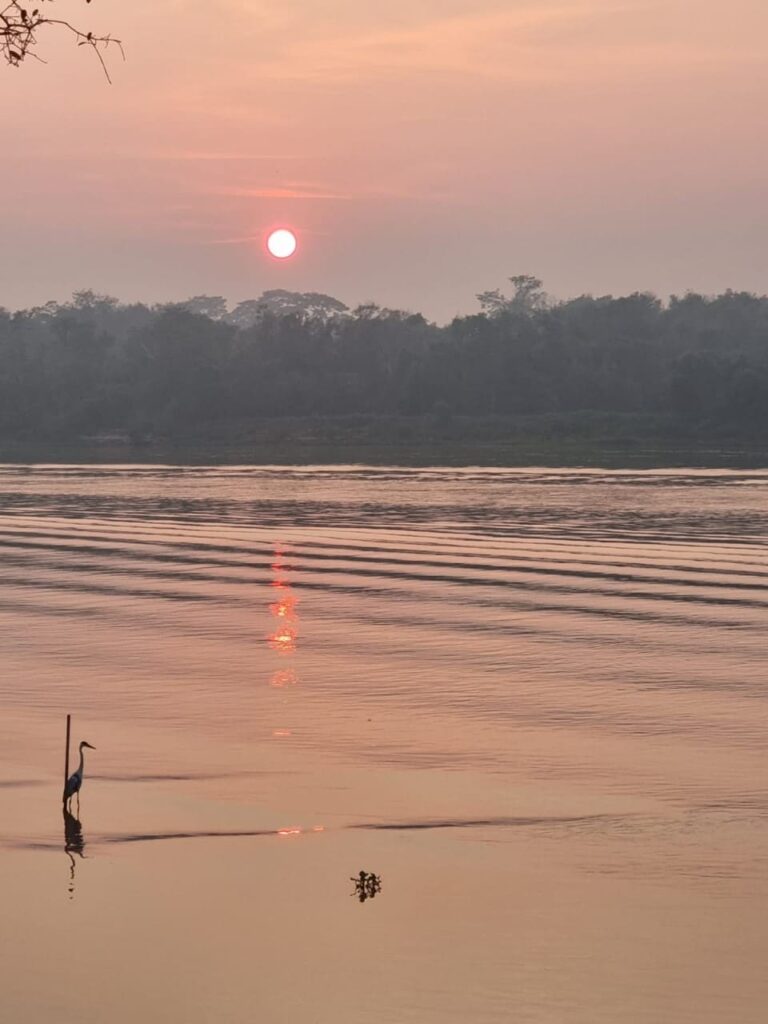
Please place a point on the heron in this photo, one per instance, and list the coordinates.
(75, 780)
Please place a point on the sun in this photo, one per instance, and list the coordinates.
(281, 243)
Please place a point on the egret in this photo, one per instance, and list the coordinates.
(75, 780)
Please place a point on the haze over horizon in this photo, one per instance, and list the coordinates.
(422, 153)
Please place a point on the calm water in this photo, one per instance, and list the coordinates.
(533, 701)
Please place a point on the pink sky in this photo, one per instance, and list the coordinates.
(423, 150)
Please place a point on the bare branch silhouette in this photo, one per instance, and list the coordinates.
(19, 26)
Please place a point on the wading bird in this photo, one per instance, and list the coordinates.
(75, 780)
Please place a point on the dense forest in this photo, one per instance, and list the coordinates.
(96, 367)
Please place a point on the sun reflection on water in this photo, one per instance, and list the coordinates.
(284, 609)
(282, 678)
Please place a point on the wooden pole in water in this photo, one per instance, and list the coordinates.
(66, 753)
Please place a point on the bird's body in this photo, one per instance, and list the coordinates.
(75, 780)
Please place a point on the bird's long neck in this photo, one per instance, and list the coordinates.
(82, 762)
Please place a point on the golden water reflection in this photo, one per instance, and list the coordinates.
(283, 678)
(284, 609)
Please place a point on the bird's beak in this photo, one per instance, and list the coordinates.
(90, 747)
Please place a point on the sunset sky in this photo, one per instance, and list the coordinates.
(423, 150)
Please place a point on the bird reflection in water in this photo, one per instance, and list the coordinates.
(367, 885)
(283, 608)
(74, 843)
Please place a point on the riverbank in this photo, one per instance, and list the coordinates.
(579, 439)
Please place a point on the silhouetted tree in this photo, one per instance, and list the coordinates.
(212, 306)
(246, 313)
(94, 364)
(526, 298)
(279, 302)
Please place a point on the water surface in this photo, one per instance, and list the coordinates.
(533, 701)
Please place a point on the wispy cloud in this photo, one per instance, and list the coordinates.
(275, 192)
(243, 240)
(528, 41)
(216, 157)
(482, 43)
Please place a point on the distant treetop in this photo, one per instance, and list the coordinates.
(527, 297)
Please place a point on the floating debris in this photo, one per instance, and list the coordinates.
(367, 885)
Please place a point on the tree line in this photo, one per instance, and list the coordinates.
(94, 365)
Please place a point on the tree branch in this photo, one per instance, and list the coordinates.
(18, 33)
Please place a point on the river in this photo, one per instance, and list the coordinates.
(532, 702)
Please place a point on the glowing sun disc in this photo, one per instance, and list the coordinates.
(281, 244)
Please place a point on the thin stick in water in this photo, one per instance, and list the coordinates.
(66, 753)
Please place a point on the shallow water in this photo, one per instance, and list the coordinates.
(533, 701)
